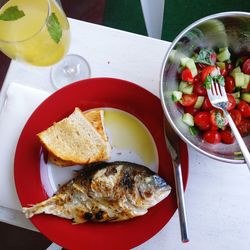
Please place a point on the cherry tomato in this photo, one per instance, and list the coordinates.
(236, 116)
(213, 119)
(199, 89)
(229, 84)
(246, 66)
(244, 108)
(197, 79)
(202, 120)
(223, 72)
(188, 100)
(191, 110)
(227, 136)
(231, 102)
(186, 75)
(213, 127)
(207, 71)
(207, 106)
(244, 127)
(212, 136)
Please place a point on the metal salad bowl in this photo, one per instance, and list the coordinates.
(227, 29)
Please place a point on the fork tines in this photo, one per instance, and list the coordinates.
(217, 91)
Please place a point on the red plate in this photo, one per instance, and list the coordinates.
(88, 94)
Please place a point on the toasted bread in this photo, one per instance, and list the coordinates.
(96, 118)
(78, 139)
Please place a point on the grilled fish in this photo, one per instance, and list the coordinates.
(113, 191)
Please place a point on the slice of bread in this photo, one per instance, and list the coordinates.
(78, 139)
(96, 118)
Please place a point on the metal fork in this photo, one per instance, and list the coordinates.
(218, 98)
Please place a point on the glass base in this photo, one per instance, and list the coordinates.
(71, 68)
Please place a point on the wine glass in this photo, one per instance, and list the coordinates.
(37, 32)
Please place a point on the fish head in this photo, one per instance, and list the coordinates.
(153, 189)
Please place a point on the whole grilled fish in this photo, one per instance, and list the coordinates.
(104, 191)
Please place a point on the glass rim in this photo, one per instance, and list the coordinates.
(37, 32)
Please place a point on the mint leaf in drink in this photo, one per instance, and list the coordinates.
(11, 14)
(54, 28)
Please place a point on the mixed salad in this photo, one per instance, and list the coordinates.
(196, 75)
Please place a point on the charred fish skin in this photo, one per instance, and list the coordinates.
(105, 191)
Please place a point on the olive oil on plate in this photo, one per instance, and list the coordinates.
(130, 139)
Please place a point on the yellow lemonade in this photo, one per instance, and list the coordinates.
(40, 37)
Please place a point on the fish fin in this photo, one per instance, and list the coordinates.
(44, 206)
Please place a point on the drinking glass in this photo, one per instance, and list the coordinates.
(38, 33)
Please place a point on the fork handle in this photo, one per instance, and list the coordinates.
(239, 139)
(181, 202)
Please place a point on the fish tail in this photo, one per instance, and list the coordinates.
(42, 207)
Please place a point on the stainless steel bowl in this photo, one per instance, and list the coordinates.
(227, 29)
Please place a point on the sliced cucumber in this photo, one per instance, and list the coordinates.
(182, 85)
(199, 102)
(186, 87)
(223, 55)
(172, 56)
(191, 65)
(176, 96)
(235, 70)
(236, 94)
(237, 100)
(246, 81)
(184, 61)
(245, 97)
(221, 65)
(239, 79)
(188, 119)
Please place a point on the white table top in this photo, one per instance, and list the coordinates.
(217, 194)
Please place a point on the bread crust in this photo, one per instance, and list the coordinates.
(79, 138)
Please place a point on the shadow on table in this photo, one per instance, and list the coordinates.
(13, 238)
